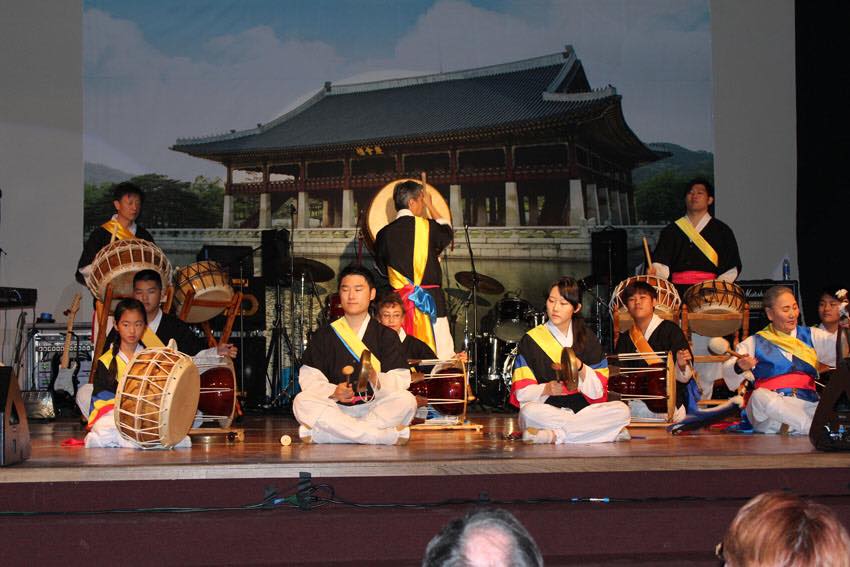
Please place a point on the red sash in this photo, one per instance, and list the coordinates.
(691, 277)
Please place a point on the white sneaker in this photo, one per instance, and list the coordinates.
(538, 436)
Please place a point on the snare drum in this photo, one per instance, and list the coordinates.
(217, 401)
(156, 400)
(668, 300)
(512, 318)
(209, 282)
(715, 297)
(119, 261)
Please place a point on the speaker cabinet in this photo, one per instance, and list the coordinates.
(14, 429)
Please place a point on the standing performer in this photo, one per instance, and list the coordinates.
(127, 200)
(697, 247)
(650, 333)
(327, 409)
(407, 250)
(549, 413)
(694, 249)
(782, 360)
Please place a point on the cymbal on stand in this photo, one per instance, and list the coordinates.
(312, 269)
(463, 296)
(486, 284)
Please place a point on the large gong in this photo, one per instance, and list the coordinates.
(382, 210)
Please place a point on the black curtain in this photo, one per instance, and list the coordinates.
(823, 148)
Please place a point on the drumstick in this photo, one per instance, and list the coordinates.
(646, 254)
(719, 345)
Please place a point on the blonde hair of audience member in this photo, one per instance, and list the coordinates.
(486, 537)
(778, 529)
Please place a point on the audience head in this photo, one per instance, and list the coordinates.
(484, 537)
(778, 529)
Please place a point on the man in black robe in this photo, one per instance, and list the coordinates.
(127, 199)
(328, 408)
(697, 247)
(396, 248)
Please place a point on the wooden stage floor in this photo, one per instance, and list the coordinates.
(429, 453)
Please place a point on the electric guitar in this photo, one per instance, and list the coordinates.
(64, 373)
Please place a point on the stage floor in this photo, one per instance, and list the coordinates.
(429, 453)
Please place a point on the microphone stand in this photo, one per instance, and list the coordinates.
(474, 362)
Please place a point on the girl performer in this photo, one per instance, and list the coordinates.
(548, 412)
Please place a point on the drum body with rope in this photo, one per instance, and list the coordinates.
(644, 376)
(118, 262)
(446, 387)
(382, 211)
(156, 401)
(715, 297)
(204, 281)
(217, 401)
(667, 307)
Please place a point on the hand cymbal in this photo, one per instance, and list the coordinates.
(463, 296)
(486, 284)
(312, 270)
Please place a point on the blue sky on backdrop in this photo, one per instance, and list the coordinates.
(158, 70)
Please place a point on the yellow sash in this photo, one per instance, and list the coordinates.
(422, 328)
(114, 227)
(685, 225)
(642, 345)
(151, 339)
(120, 365)
(350, 338)
(791, 345)
(546, 341)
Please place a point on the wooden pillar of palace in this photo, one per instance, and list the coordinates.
(632, 205)
(347, 196)
(227, 208)
(624, 207)
(575, 204)
(455, 195)
(512, 201)
(604, 204)
(614, 196)
(592, 203)
(533, 209)
(265, 200)
(303, 205)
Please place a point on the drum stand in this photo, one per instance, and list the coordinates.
(103, 309)
(230, 306)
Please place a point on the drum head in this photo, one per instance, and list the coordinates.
(382, 211)
(180, 402)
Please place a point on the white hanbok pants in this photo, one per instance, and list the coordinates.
(768, 410)
(372, 423)
(597, 423)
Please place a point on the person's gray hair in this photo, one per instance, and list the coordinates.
(404, 191)
(773, 293)
(450, 548)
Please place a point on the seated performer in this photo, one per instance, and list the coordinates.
(782, 360)
(327, 409)
(127, 200)
(407, 250)
(829, 308)
(391, 314)
(548, 412)
(651, 333)
(161, 328)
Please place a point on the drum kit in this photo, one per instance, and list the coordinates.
(493, 346)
